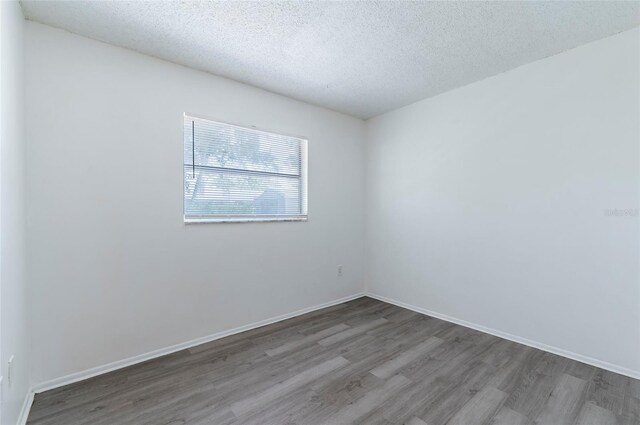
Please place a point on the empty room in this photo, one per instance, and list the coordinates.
(319, 212)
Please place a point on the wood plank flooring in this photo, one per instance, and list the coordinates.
(361, 362)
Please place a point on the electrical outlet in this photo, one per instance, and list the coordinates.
(10, 370)
(340, 271)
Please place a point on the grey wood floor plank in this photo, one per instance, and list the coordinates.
(441, 358)
(607, 390)
(564, 403)
(354, 412)
(387, 369)
(349, 333)
(375, 419)
(591, 414)
(242, 407)
(414, 400)
(455, 387)
(517, 372)
(355, 383)
(530, 397)
(309, 339)
(501, 353)
(392, 343)
(480, 408)
(363, 361)
(631, 411)
(284, 411)
(506, 416)
(416, 421)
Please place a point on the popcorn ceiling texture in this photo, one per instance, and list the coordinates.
(360, 58)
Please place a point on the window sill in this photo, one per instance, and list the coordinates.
(242, 219)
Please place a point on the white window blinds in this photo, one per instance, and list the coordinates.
(234, 173)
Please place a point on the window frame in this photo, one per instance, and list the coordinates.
(257, 218)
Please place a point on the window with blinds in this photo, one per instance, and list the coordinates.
(234, 173)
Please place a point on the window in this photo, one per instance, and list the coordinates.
(234, 173)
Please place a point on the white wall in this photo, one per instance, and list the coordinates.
(13, 287)
(487, 203)
(115, 272)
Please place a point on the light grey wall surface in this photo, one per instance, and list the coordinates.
(496, 203)
(115, 272)
(14, 330)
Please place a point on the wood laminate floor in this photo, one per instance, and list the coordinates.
(361, 362)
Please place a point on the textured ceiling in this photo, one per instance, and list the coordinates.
(361, 58)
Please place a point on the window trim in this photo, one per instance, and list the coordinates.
(304, 196)
(248, 219)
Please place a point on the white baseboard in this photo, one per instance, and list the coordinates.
(26, 407)
(554, 350)
(99, 370)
